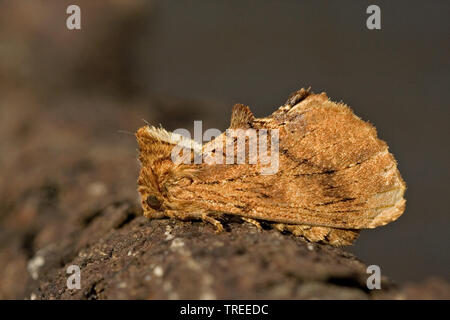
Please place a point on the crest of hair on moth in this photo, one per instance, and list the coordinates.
(334, 177)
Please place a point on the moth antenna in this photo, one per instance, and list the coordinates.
(125, 132)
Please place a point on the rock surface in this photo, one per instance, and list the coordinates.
(122, 256)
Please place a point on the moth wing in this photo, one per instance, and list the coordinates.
(341, 172)
(333, 171)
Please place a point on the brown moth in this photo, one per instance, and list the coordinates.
(334, 177)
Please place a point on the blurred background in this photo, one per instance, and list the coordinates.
(70, 102)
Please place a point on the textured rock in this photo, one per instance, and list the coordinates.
(122, 256)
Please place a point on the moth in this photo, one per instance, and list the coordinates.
(334, 177)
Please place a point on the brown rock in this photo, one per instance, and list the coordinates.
(122, 256)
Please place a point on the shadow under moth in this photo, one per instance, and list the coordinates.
(334, 176)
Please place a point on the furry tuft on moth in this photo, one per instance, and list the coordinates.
(312, 168)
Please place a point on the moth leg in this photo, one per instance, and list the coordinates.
(184, 216)
(312, 234)
(279, 226)
(154, 214)
(181, 215)
(252, 221)
(332, 236)
(342, 237)
(206, 218)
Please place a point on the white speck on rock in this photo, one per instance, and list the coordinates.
(158, 271)
(208, 296)
(218, 243)
(34, 265)
(33, 296)
(173, 296)
(177, 243)
(122, 285)
(310, 247)
(97, 189)
(168, 235)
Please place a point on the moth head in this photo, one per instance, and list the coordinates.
(153, 203)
